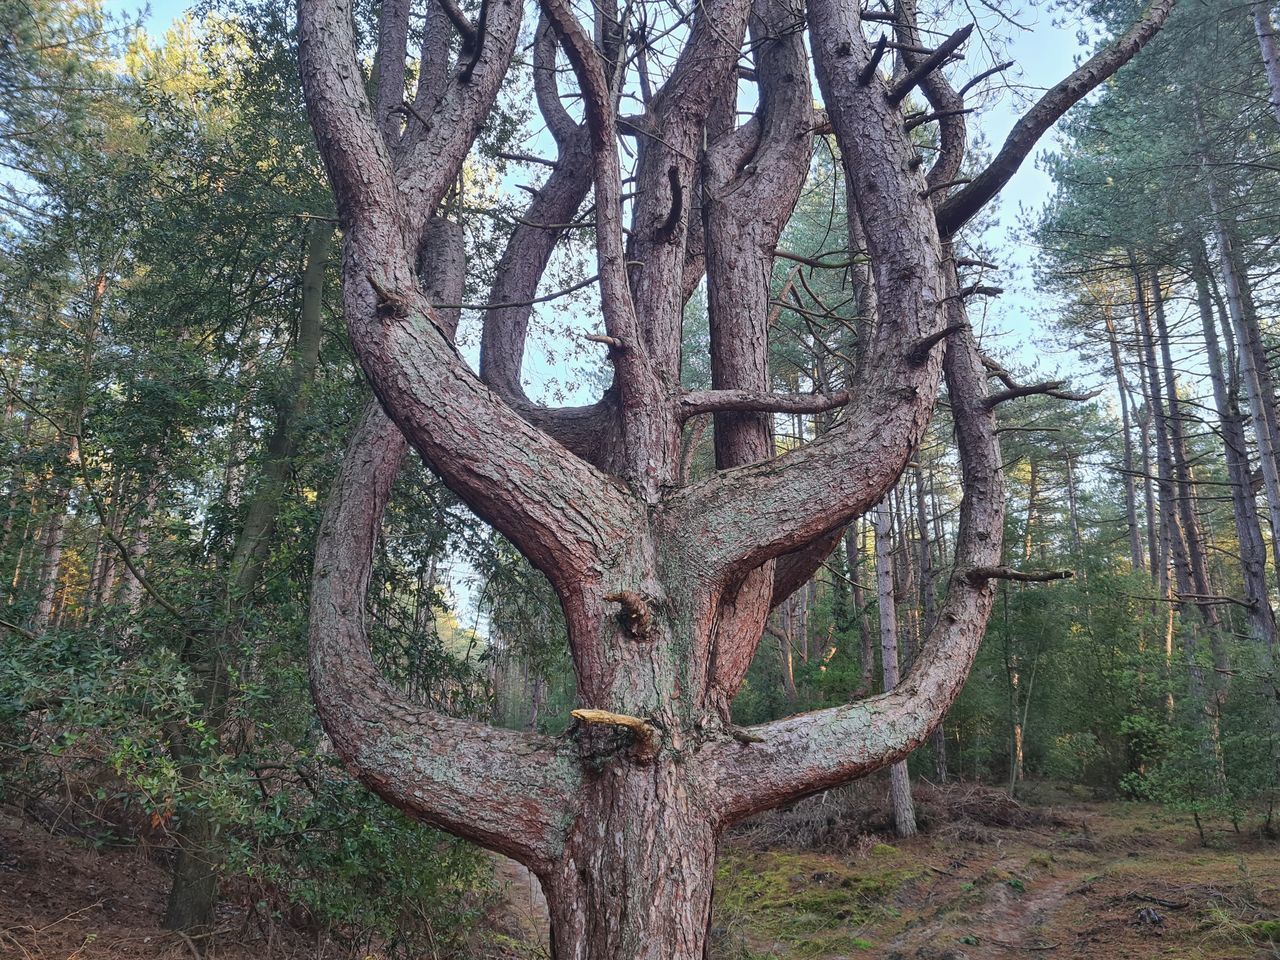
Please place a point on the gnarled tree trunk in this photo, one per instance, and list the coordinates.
(666, 585)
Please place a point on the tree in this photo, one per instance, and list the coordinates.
(665, 586)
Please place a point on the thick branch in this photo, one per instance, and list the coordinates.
(721, 401)
(814, 751)
(743, 517)
(645, 425)
(559, 511)
(431, 164)
(389, 73)
(512, 792)
(1026, 133)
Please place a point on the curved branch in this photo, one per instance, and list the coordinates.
(646, 414)
(743, 517)
(525, 259)
(813, 751)
(948, 106)
(509, 791)
(676, 125)
(752, 178)
(431, 164)
(558, 510)
(546, 88)
(1026, 133)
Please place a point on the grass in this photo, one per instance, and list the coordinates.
(1020, 889)
(806, 905)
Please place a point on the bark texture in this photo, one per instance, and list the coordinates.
(666, 585)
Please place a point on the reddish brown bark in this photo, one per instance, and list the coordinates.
(665, 584)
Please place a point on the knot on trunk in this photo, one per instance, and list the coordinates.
(620, 731)
(390, 305)
(636, 615)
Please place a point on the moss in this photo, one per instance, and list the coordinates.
(884, 850)
(803, 905)
(1265, 931)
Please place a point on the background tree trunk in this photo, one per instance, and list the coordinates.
(904, 813)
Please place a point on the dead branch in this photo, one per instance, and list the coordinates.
(930, 63)
(923, 118)
(919, 353)
(20, 631)
(1049, 388)
(526, 158)
(817, 263)
(462, 23)
(636, 615)
(477, 42)
(735, 401)
(998, 68)
(641, 728)
(869, 71)
(980, 575)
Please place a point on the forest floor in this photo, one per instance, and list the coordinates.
(1054, 876)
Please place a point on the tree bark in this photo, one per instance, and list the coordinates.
(904, 814)
(1270, 48)
(665, 586)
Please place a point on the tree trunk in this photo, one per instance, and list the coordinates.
(193, 896)
(1266, 32)
(1252, 372)
(51, 565)
(194, 893)
(904, 814)
(636, 876)
(1244, 505)
(1013, 680)
(51, 542)
(1180, 523)
(1130, 498)
(854, 548)
(928, 612)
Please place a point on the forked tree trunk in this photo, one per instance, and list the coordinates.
(666, 585)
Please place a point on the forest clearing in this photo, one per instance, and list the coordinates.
(1056, 875)
(639, 479)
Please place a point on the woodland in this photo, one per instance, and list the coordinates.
(619, 451)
